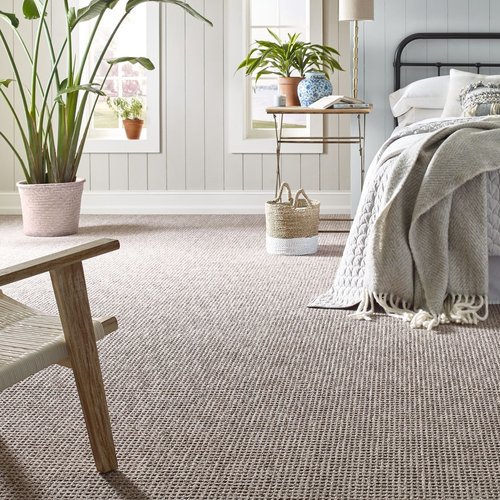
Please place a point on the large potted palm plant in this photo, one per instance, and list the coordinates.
(54, 118)
(291, 60)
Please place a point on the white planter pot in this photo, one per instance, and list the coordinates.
(51, 209)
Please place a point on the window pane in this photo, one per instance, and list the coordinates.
(283, 17)
(262, 98)
(293, 12)
(264, 12)
(105, 117)
(124, 80)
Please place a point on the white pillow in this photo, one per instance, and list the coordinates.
(418, 114)
(429, 93)
(459, 80)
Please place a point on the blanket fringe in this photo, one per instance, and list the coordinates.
(463, 309)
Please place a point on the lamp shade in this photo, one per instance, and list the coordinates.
(356, 10)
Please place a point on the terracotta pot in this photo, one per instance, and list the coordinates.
(288, 87)
(133, 129)
(51, 209)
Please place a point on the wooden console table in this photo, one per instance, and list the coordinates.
(278, 114)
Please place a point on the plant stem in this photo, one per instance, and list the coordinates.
(18, 156)
(34, 73)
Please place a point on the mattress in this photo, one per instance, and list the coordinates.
(493, 214)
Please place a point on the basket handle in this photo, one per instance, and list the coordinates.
(283, 186)
(297, 196)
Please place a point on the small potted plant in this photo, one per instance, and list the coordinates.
(130, 111)
(290, 60)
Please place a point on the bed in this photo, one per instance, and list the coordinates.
(424, 110)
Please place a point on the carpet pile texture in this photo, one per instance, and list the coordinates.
(222, 384)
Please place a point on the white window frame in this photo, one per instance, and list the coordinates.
(150, 144)
(239, 87)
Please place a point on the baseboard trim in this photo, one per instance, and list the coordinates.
(183, 202)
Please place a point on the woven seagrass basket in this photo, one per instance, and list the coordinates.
(292, 226)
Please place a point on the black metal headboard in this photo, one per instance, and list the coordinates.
(399, 64)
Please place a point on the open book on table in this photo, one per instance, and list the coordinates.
(338, 102)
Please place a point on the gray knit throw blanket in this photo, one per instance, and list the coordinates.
(426, 258)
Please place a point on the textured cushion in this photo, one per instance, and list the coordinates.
(459, 80)
(480, 99)
(428, 93)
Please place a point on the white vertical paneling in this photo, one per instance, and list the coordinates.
(309, 172)
(393, 36)
(376, 79)
(176, 98)
(214, 96)
(233, 172)
(195, 101)
(84, 171)
(479, 51)
(291, 170)
(118, 172)
(99, 172)
(329, 162)
(415, 21)
(137, 172)
(6, 126)
(252, 172)
(343, 42)
(268, 172)
(458, 20)
(157, 163)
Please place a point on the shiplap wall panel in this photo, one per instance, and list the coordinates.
(392, 37)
(233, 172)
(157, 163)
(291, 170)
(268, 172)
(175, 107)
(252, 172)
(214, 96)
(395, 19)
(309, 172)
(84, 172)
(7, 126)
(195, 100)
(137, 172)
(99, 172)
(375, 77)
(118, 172)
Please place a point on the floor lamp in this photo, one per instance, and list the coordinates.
(355, 10)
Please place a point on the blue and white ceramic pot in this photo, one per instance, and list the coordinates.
(314, 87)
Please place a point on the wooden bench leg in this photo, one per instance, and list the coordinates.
(72, 301)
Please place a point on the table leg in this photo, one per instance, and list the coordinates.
(278, 127)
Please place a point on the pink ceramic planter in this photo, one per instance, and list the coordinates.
(51, 209)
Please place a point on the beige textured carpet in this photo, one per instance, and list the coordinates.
(222, 384)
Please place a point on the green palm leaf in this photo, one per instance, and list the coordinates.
(11, 18)
(132, 4)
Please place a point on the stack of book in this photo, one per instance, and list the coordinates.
(339, 102)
